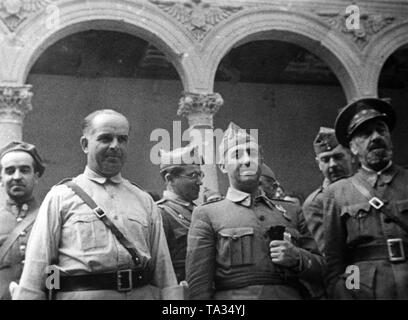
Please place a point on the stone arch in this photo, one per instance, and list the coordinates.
(142, 20)
(381, 48)
(302, 29)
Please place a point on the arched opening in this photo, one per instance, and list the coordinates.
(97, 69)
(393, 84)
(287, 93)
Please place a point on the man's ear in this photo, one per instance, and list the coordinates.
(168, 178)
(353, 148)
(84, 144)
(36, 178)
(222, 168)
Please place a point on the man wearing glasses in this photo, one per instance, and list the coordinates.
(180, 169)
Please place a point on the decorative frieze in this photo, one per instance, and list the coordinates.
(14, 12)
(197, 16)
(369, 25)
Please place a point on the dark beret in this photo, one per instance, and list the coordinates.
(25, 147)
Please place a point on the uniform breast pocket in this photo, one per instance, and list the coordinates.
(361, 222)
(235, 247)
(91, 232)
(137, 228)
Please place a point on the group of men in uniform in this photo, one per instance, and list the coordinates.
(103, 237)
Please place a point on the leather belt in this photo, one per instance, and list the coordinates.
(394, 251)
(122, 281)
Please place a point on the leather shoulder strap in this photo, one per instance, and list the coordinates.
(23, 225)
(108, 223)
(370, 196)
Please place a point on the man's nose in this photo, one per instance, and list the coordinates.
(246, 159)
(114, 143)
(17, 175)
(375, 135)
(332, 162)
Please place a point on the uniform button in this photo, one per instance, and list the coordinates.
(387, 220)
(22, 248)
(19, 219)
(23, 261)
(115, 217)
(234, 237)
(262, 218)
(23, 233)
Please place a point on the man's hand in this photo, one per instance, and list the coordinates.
(284, 253)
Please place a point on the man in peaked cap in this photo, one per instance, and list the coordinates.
(230, 253)
(180, 169)
(335, 162)
(365, 216)
(21, 167)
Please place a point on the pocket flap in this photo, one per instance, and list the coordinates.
(367, 274)
(402, 206)
(236, 233)
(84, 218)
(356, 209)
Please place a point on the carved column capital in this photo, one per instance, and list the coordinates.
(199, 108)
(15, 103)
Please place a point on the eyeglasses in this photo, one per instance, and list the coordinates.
(193, 176)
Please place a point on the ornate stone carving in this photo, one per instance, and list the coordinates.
(194, 103)
(370, 24)
(14, 12)
(15, 102)
(198, 17)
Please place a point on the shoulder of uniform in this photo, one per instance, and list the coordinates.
(213, 201)
(64, 181)
(136, 185)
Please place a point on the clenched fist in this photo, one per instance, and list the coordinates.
(284, 253)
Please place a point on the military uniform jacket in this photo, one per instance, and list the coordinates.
(313, 212)
(228, 249)
(351, 222)
(176, 214)
(12, 264)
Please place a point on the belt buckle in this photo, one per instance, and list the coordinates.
(124, 280)
(99, 212)
(396, 250)
(376, 203)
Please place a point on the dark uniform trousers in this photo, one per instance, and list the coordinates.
(176, 223)
(228, 252)
(356, 233)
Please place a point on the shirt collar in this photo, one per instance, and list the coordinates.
(326, 183)
(92, 175)
(239, 196)
(15, 208)
(387, 174)
(170, 195)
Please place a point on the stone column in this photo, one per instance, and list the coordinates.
(199, 109)
(15, 103)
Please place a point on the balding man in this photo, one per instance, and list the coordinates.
(100, 235)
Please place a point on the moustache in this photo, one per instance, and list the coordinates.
(377, 144)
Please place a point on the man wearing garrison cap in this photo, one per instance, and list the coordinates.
(365, 216)
(230, 252)
(335, 162)
(268, 182)
(21, 167)
(180, 169)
